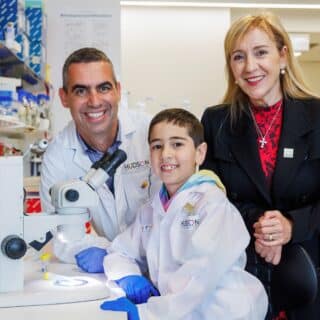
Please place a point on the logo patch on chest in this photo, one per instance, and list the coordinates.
(190, 218)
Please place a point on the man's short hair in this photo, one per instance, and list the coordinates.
(85, 55)
(181, 118)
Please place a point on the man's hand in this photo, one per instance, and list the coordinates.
(91, 259)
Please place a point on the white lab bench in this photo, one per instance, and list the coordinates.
(79, 311)
(44, 299)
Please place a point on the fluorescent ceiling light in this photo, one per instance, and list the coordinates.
(219, 4)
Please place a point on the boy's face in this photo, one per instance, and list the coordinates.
(173, 154)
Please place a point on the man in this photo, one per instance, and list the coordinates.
(91, 92)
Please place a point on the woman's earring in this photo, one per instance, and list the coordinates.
(283, 71)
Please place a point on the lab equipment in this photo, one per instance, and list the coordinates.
(122, 304)
(18, 229)
(70, 199)
(91, 259)
(45, 259)
(37, 149)
(138, 289)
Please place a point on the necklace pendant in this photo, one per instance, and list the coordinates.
(262, 142)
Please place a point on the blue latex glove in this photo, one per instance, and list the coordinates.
(91, 259)
(137, 288)
(122, 304)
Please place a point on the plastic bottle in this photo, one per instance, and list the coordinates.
(34, 111)
(43, 103)
(9, 34)
(24, 105)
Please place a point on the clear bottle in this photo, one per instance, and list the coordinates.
(9, 34)
(5, 104)
(44, 110)
(24, 105)
(34, 111)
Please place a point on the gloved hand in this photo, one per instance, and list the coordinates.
(122, 304)
(91, 259)
(137, 288)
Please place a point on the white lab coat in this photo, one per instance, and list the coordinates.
(196, 260)
(134, 182)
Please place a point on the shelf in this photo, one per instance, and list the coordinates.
(11, 127)
(12, 66)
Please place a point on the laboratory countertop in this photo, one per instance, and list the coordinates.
(79, 311)
(67, 294)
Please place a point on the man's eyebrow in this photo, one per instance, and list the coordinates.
(99, 85)
(78, 86)
(104, 84)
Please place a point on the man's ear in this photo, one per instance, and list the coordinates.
(118, 87)
(63, 97)
(201, 153)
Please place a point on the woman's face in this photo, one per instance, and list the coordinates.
(255, 63)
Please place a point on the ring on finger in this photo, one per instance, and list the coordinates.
(270, 237)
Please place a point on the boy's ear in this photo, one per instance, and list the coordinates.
(201, 153)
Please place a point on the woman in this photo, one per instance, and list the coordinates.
(264, 143)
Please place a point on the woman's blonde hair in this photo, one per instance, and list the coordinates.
(292, 82)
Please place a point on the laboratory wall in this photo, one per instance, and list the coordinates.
(312, 72)
(173, 57)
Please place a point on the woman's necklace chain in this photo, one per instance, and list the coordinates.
(262, 140)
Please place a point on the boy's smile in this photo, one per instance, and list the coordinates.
(173, 155)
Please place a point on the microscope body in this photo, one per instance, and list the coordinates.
(11, 213)
(71, 200)
(18, 230)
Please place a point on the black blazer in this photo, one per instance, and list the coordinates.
(295, 189)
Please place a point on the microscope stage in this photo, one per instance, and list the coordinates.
(65, 284)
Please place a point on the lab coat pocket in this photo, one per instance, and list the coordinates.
(181, 233)
(137, 188)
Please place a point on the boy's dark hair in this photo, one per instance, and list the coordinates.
(181, 118)
(84, 55)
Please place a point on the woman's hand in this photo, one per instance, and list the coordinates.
(270, 254)
(273, 229)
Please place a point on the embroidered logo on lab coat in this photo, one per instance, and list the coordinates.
(136, 166)
(191, 219)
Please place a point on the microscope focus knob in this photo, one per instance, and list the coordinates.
(13, 247)
(72, 195)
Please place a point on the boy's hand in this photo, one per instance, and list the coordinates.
(137, 288)
(122, 304)
(91, 259)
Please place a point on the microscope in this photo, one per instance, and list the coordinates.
(71, 200)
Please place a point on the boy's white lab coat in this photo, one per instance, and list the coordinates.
(195, 255)
(133, 182)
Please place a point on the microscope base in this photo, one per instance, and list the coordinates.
(66, 284)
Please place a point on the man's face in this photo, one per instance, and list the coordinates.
(92, 97)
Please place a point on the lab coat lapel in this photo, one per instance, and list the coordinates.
(80, 158)
(245, 151)
(292, 146)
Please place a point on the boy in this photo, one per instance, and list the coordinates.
(190, 240)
